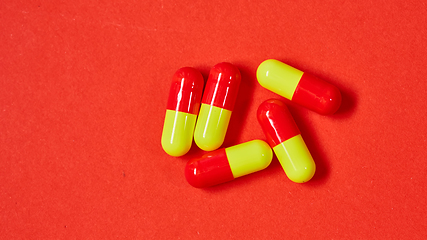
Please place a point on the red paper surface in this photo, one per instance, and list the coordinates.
(83, 93)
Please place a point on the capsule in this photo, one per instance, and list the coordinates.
(299, 87)
(285, 138)
(226, 164)
(217, 104)
(181, 111)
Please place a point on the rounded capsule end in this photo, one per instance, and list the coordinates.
(304, 175)
(317, 95)
(177, 135)
(193, 176)
(191, 75)
(175, 151)
(211, 127)
(278, 77)
(186, 91)
(276, 121)
(226, 69)
(295, 159)
(208, 170)
(263, 70)
(266, 154)
(331, 101)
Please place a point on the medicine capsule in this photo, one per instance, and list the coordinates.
(285, 138)
(299, 87)
(181, 111)
(226, 164)
(217, 104)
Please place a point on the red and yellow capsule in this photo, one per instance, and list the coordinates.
(226, 164)
(182, 109)
(217, 104)
(299, 87)
(285, 138)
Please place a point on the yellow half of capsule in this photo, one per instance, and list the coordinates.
(211, 127)
(178, 130)
(295, 159)
(249, 157)
(278, 77)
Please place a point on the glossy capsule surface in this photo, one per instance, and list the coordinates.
(181, 111)
(226, 164)
(217, 105)
(285, 138)
(299, 87)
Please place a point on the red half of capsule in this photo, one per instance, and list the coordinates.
(209, 170)
(276, 121)
(317, 95)
(222, 86)
(186, 91)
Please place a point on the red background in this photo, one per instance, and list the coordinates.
(83, 93)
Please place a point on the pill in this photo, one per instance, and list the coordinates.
(226, 164)
(285, 138)
(217, 105)
(181, 111)
(299, 87)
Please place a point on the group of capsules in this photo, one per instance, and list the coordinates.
(207, 117)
